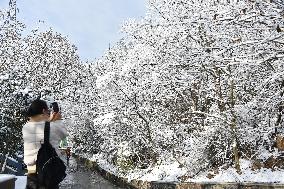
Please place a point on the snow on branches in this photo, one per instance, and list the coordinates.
(43, 64)
(198, 82)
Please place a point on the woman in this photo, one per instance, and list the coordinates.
(33, 135)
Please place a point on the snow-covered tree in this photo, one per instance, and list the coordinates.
(11, 101)
(187, 82)
(41, 64)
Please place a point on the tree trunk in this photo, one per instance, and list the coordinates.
(233, 129)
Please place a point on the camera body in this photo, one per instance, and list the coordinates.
(55, 107)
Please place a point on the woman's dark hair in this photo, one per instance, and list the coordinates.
(36, 108)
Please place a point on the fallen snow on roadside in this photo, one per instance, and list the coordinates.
(171, 172)
(163, 173)
(230, 175)
(102, 162)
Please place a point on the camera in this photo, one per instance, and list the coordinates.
(55, 107)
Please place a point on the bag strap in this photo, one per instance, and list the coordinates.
(46, 132)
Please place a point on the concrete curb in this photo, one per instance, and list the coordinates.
(138, 184)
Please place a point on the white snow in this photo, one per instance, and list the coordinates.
(102, 162)
(104, 80)
(166, 173)
(230, 175)
(171, 172)
(26, 90)
(21, 182)
(5, 177)
(104, 119)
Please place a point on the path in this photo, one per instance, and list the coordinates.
(78, 177)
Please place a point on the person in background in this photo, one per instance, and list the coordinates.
(33, 136)
(63, 145)
(68, 154)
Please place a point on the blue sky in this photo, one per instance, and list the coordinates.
(89, 24)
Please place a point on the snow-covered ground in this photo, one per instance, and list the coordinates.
(172, 172)
(247, 175)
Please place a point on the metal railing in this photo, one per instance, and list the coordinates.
(12, 166)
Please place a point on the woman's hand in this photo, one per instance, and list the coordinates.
(54, 116)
